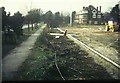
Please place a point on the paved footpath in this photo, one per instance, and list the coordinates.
(17, 56)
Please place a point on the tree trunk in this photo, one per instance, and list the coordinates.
(28, 27)
(32, 26)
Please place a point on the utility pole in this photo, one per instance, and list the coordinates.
(119, 5)
(30, 6)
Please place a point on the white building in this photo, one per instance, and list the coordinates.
(89, 15)
(81, 17)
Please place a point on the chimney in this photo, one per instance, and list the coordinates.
(97, 8)
(100, 8)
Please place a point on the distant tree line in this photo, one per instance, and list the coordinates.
(12, 25)
(33, 17)
(55, 20)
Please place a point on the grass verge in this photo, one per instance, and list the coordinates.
(73, 62)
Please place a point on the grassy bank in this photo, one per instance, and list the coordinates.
(73, 62)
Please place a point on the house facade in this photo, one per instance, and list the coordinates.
(89, 15)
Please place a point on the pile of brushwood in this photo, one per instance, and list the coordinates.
(73, 63)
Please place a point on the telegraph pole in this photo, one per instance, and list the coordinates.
(30, 6)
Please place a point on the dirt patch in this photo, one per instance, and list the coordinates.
(100, 40)
(107, 43)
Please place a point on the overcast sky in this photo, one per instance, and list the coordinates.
(23, 6)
